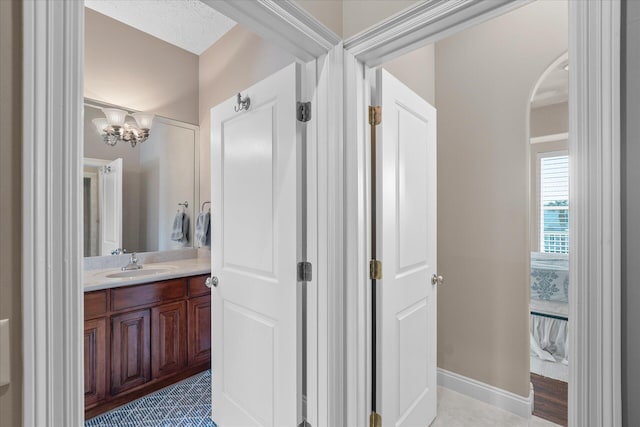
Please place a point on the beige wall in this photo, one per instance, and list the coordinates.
(484, 78)
(329, 12)
(235, 62)
(358, 15)
(127, 67)
(550, 120)
(349, 17)
(417, 70)
(11, 197)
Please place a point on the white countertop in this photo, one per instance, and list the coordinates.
(94, 280)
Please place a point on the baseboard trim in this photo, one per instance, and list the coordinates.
(510, 402)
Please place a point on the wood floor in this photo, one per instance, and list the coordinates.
(550, 399)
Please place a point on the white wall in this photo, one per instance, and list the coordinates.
(630, 158)
(484, 79)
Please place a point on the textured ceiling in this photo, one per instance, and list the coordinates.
(189, 24)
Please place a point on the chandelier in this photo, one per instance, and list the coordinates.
(114, 128)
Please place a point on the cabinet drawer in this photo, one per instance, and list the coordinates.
(95, 304)
(197, 286)
(141, 295)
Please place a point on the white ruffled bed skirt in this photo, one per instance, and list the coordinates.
(549, 338)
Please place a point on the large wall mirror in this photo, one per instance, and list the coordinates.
(133, 194)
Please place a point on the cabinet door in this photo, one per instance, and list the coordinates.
(168, 339)
(200, 330)
(130, 350)
(95, 355)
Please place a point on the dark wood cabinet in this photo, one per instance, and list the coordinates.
(95, 357)
(168, 338)
(130, 350)
(141, 338)
(199, 330)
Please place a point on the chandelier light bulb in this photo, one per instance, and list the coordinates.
(101, 124)
(115, 116)
(144, 120)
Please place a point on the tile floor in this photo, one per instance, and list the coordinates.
(184, 404)
(457, 410)
(187, 404)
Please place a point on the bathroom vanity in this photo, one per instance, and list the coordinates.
(143, 332)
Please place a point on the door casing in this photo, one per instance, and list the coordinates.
(594, 146)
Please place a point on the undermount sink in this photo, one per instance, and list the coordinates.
(139, 273)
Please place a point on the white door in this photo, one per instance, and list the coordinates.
(406, 205)
(110, 206)
(254, 173)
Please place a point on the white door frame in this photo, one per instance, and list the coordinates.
(594, 141)
(53, 318)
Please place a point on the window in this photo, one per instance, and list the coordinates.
(554, 203)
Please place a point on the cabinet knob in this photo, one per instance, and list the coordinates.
(211, 281)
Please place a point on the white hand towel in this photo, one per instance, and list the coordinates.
(203, 229)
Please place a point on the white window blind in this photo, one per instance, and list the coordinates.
(554, 204)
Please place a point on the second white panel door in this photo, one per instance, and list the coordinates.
(406, 225)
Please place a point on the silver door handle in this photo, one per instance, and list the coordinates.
(211, 281)
(437, 280)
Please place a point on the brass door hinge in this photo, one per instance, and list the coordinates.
(375, 269)
(375, 115)
(375, 420)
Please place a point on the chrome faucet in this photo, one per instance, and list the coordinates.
(133, 263)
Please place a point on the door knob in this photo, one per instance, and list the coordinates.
(211, 282)
(437, 280)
